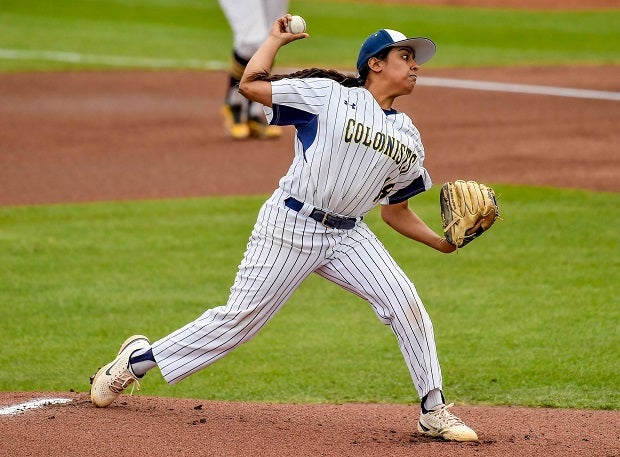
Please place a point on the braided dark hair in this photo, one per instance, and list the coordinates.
(347, 80)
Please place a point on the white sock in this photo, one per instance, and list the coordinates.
(141, 361)
(434, 399)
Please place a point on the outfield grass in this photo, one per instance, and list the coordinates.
(195, 34)
(525, 315)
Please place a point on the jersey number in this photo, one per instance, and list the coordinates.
(387, 188)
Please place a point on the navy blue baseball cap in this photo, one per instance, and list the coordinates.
(424, 48)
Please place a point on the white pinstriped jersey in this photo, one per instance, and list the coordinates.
(350, 154)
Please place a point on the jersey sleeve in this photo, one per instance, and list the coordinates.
(417, 186)
(297, 101)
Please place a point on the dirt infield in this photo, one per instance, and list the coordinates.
(87, 136)
(160, 427)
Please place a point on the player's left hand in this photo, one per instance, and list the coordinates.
(468, 209)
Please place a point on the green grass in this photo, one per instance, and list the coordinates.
(525, 315)
(195, 34)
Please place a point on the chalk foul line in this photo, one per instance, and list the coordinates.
(519, 88)
(114, 61)
(33, 404)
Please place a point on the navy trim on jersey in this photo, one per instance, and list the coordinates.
(415, 188)
(306, 123)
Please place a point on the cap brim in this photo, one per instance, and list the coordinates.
(424, 48)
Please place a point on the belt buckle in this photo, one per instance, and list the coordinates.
(324, 221)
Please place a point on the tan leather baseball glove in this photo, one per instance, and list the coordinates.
(468, 209)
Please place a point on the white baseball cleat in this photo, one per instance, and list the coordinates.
(446, 425)
(111, 379)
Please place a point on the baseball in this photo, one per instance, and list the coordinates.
(296, 25)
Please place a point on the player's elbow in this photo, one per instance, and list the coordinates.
(245, 89)
(387, 218)
(392, 214)
(256, 90)
(244, 86)
(391, 220)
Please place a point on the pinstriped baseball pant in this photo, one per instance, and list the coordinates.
(285, 248)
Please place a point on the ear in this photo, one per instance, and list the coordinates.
(375, 64)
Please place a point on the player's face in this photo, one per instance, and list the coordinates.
(401, 69)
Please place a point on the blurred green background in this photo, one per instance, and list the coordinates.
(63, 34)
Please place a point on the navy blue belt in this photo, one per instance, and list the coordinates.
(327, 219)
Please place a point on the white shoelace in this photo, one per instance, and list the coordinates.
(122, 381)
(447, 416)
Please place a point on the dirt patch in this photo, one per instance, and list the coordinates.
(160, 427)
(86, 136)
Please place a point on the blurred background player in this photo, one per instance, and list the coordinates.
(250, 21)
